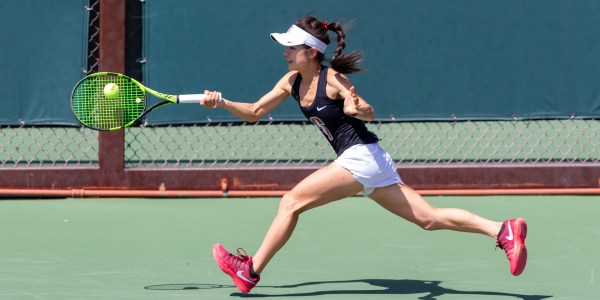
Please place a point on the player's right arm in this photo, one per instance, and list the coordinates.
(252, 112)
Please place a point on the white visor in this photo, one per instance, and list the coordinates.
(296, 36)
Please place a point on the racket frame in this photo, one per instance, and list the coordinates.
(167, 99)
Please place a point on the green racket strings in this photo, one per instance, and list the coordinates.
(94, 109)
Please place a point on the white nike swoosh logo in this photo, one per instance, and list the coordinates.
(242, 277)
(510, 233)
(321, 108)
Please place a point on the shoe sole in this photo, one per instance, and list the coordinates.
(239, 284)
(520, 251)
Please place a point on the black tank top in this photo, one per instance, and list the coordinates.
(342, 131)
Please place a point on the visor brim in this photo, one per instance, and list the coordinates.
(285, 39)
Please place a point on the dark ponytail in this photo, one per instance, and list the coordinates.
(345, 64)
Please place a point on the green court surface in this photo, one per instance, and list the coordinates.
(351, 249)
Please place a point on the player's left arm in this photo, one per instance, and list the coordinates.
(354, 105)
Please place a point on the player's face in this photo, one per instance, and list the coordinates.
(297, 57)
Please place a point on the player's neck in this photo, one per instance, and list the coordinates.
(310, 73)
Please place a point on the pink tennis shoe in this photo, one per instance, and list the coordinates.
(512, 240)
(236, 266)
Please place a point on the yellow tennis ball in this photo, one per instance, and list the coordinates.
(138, 100)
(111, 90)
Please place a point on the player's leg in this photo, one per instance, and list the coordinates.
(315, 190)
(326, 185)
(408, 204)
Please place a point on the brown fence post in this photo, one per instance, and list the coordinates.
(112, 58)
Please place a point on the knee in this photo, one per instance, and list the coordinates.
(290, 205)
(429, 222)
(428, 225)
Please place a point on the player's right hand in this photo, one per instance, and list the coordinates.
(212, 100)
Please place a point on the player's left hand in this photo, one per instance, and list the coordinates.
(354, 107)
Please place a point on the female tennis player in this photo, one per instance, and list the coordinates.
(329, 100)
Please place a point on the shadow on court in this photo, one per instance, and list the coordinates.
(390, 287)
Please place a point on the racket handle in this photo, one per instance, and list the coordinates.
(193, 98)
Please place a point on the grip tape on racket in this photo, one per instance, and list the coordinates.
(193, 98)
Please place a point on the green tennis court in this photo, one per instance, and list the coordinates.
(352, 249)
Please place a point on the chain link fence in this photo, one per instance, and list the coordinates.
(301, 144)
(48, 146)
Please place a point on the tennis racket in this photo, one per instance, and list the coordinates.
(99, 107)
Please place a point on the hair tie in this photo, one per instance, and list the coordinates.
(325, 25)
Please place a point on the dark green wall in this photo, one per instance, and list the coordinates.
(40, 60)
(472, 59)
(426, 60)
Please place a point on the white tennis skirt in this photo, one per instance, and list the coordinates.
(370, 165)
